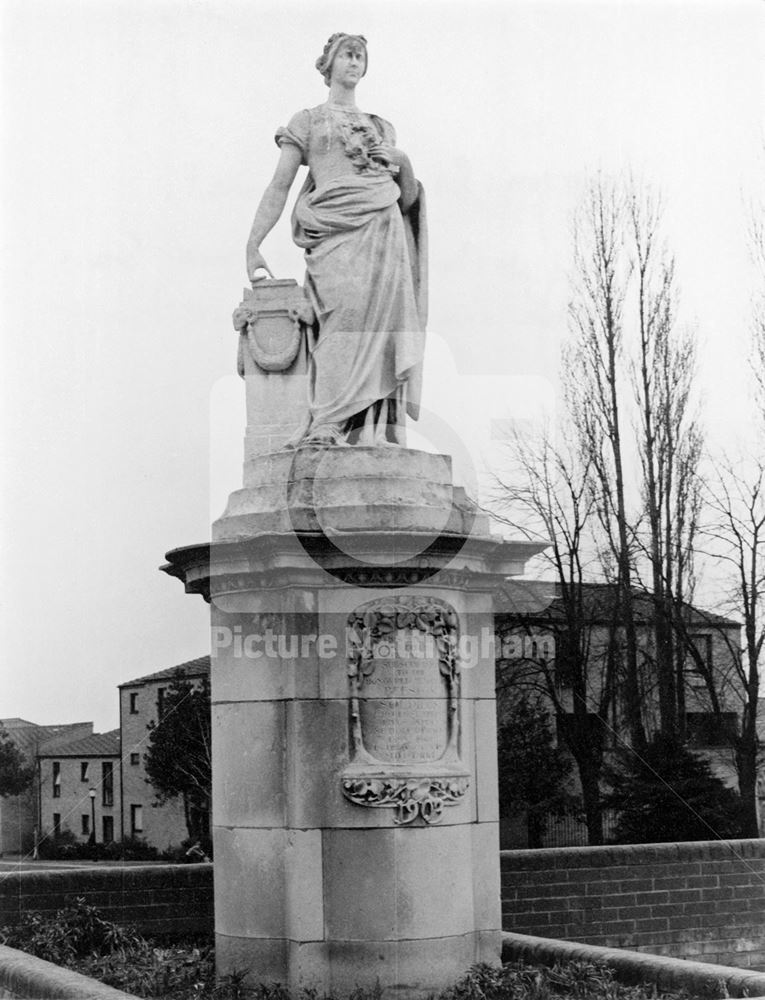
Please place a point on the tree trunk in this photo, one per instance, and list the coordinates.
(746, 762)
(593, 809)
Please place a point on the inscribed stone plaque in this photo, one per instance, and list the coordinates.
(404, 708)
(405, 730)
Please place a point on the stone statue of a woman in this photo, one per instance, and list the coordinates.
(360, 219)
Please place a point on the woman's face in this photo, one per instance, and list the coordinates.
(349, 64)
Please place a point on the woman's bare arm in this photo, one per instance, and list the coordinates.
(271, 207)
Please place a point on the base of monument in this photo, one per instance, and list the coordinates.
(355, 814)
(407, 969)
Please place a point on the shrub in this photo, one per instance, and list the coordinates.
(131, 849)
(74, 932)
(667, 793)
(585, 980)
(78, 937)
(58, 846)
(532, 769)
(67, 847)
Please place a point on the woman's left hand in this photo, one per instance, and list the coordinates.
(386, 154)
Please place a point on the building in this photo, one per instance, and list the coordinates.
(78, 787)
(533, 655)
(19, 814)
(71, 761)
(530, 646)
(141, 703)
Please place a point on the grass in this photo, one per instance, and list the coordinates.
(81, 939)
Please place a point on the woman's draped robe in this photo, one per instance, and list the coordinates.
(366, 280)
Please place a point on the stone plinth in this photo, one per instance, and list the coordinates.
(272, 359)
(354, 734)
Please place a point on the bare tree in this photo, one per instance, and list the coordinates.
(545, 495)
(595, 394)
(736, 537)
(629, 390)
(669, 444)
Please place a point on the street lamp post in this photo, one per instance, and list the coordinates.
(92, 837)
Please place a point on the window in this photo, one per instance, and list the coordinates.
(56, 824)
(136, 820)
(85, 824)
(56, 779)
(708, 729)
(84, 770)
(107, 783)
(107, 824)
(703, 647)
(134, 703)
(160, 702)
(565, 653)
(135, 759)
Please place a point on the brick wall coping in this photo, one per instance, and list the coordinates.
(636, 966)
(625, 854)
(95, 876)
(23, 975)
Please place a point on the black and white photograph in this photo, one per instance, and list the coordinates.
(383, 508)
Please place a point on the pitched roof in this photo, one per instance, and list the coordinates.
(542, 599)
(97, 745)
(15, 723)
(31, 739)
(200, 667)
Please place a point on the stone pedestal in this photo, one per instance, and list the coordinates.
(354, 733)
(272, 358)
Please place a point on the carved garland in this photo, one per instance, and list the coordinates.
(426, 788)
(412, 797)
(245, 321)
(368, 627)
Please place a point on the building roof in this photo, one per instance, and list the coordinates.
(96, 745)
(33, 739)
(541, 599)
(200, 667)
(15, 723)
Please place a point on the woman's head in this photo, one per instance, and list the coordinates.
(340, 42)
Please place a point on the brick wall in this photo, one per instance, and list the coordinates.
(157, 899)
(704, 901)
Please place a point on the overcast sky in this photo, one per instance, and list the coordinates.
(137, 138)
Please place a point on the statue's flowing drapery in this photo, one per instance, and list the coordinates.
(366, 280)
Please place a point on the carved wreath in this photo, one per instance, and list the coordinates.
(245, 318)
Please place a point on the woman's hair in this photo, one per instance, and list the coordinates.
(325, 60)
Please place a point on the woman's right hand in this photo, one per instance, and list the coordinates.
(256, 262)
